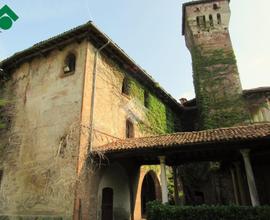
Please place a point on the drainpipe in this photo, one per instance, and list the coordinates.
(97, 52)
(77, 213)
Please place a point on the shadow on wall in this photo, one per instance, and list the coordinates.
(114, 194)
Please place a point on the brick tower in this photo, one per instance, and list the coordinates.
(215, 74)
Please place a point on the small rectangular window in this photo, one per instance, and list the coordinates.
(201, 22)
(129, 129)
(146, 99)
(126, 86)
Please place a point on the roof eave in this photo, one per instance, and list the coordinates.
(98, 38)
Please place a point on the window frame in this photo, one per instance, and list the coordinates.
(70, 56)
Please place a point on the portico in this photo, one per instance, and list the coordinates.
(242, 145)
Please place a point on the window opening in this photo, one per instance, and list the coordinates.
(219, 18)
(70, 63)
(146, 99)
(126, 86)
(211, 20)
(129, 129)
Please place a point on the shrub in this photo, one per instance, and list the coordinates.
(158, 211)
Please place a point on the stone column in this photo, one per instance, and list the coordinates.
(235, 188)
(163, 179)
(250, 178)
(240, 184)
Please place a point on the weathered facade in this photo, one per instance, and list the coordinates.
(69, 96)
(44, 159)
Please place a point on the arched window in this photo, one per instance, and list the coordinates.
(70, 63)
(218, 18)
(126, 86)
(211, 20)
(129, 129)
(204, 21)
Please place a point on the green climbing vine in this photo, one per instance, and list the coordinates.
(160, 118)
(218, 89)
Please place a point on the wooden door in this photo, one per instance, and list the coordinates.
(107, 204)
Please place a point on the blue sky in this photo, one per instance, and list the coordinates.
(149, 31)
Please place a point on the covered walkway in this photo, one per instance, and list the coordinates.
(223, 144)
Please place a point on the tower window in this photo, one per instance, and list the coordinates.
(218, 18)
(146, 99)
(70, 63)
(126, 86)
(215, 6)
(201, 22)
(129, 129)
(211, 20)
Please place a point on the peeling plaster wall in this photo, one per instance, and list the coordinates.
(50, 131)
(112, 109)
(40, 163)
(115, 178)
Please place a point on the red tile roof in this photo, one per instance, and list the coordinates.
(221, 135)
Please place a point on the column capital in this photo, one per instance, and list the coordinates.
(245, 152)
(162, 159)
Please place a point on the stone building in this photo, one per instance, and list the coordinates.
(88, 132)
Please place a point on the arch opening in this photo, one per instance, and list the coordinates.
(151, 190)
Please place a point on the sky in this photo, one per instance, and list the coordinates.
(149, 31)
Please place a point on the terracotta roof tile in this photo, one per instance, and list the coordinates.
(241, 133)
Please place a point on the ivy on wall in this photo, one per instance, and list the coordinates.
(160, 119)
(218, 90)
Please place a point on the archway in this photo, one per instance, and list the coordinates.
(150, 190)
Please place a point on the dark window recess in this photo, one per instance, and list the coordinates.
(218, 18)
(201, 21)
(129, 129)
(146, 99)
(126, 86)
(216, 6)
(70, 63)
(211, 21)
